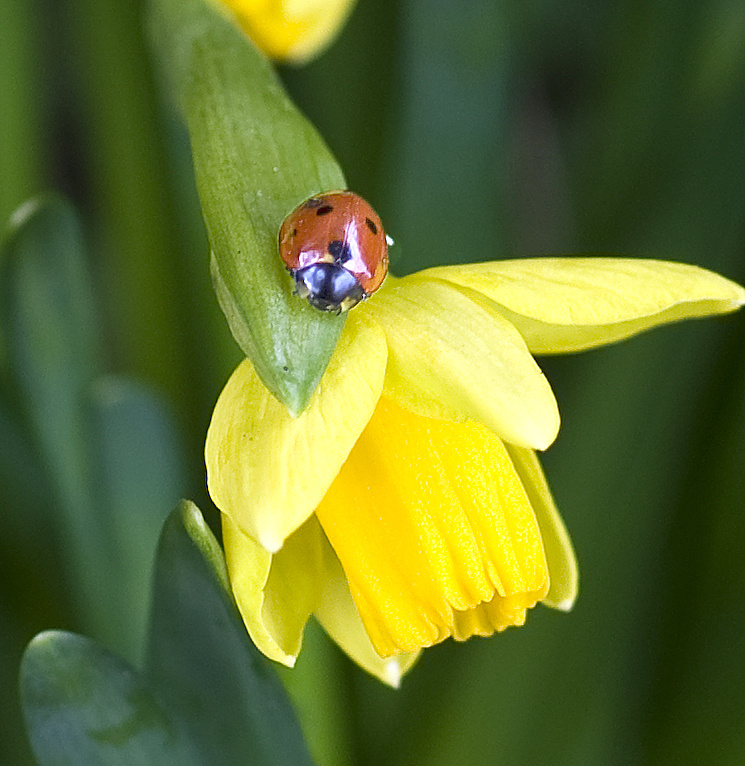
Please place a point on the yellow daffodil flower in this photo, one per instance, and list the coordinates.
(291, 30)
(407, 504)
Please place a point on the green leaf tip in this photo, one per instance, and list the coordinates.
(84, 706)
(290, 352)
(46, 215)
(255, 159)
(188, 516)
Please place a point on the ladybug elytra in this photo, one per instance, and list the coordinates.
(336, 250)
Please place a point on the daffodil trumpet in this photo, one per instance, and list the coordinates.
(406, 504)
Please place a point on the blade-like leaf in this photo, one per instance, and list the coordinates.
(48, 323)
(201, 659)
(85, 707)
(106, 449)
(141, 479)
(47, 313)
(256, 158)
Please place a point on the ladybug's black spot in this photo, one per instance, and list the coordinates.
(325, 210)
(313, 202)
(294, 232)
(339, 251)
(371, 225)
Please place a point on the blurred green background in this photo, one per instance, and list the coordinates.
(479, 129)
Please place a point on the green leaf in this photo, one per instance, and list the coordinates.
(255, 158)
(141, 478)
(203, 662)
(107, 448)
(207, 695)
(47, 311)
(52, 349)
(23, 158)
(85, 706)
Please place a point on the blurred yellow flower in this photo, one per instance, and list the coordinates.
(407, 504)
(291, 30)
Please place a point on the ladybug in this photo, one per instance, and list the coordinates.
(335, 249)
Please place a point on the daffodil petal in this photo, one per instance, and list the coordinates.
(277, 593)
(453, 355)
(249, 564)
(429, 519)
(291, 30)
(338, 615)
(562, 562)
(561, 305)
(267, 470)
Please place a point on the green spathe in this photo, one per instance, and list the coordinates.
(255, 159)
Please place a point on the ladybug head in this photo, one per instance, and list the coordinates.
(328, 287)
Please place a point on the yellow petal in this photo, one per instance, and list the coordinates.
(429, 520)
(291, 30)
(267, 470)
(570, 304)
(338, 615)
(276, 593)
(562, 563)
(454, 357)
(248, 564)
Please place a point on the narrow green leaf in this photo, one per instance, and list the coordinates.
(145, 252)
(84, 706)
(105, 449)
(201, 658)
(255, 158)
(47, 311)
(52, 349)
(141, 479)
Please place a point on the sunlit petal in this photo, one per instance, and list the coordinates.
(457, 357)
(267, 470)
(249, 564)
(570, 304)
(428, 518)
(276, 593)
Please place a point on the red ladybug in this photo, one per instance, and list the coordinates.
(335, 249)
